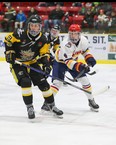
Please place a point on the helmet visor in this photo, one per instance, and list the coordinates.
(74, 36)
(54, 32)
(34, 28)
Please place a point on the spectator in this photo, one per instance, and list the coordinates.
(107, 7)
(55, 18)
(46, 4)
(88, 20)
(20, 19)
(8, 21)
(7, 4)
(77, 4)
(96, 7)
(88, 5)
(32, 11)
(49, 4)
(112, 22)
(60, 3)
(2, 7)
(65, 22)
(83, 10)
(42, 4)
(101, 23)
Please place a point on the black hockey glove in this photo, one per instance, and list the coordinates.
(10, 57)
(91, 61)
(47, 69)
(80, 66)
(46, 65)
(85, 67)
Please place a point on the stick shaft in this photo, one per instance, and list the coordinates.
(39, 71)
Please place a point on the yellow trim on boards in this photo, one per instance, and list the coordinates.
(2, 59)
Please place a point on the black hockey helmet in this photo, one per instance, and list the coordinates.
(55, 30)
(57, 27)
(34, 19)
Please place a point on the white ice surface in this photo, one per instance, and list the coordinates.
(79, 125)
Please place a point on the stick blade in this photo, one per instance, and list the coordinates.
(101, 91)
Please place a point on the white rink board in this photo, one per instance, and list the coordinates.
(101, 45)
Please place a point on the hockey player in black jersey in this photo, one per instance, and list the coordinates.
(28, 46)
(53, 41)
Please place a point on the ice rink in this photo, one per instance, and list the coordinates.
(79, 126)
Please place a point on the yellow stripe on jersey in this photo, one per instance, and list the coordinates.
(56, 47)
(54, 90)
(10, 51)
(27, 91)
(88, 56)
(56, 56)
(70, 63)
(87, 51)
(28, 62)
(44, 50)
(47, 93)
(87, 87)
(9, 38)
(77, 66)
(13, 73)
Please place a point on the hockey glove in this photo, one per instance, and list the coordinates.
(80, 66)
(91, 61)
(46, 65)
(47, 69)
(10, 57)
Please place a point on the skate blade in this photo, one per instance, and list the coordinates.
(58, 116)
(50, 114)
(94, 110)
(45, 112)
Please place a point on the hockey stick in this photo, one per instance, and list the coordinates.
(39, 71)
(76, 78)
(92, 71)
(102, 90)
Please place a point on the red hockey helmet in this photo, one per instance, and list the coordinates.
(75, 27)
(74, 33)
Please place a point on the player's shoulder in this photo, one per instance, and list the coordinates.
(83, 37)
(64, 41)
(43, 36)
(83, 40)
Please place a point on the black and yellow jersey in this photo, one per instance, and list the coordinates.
(53, 43)
(26, 48)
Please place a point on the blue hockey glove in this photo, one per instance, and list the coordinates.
(91, 61)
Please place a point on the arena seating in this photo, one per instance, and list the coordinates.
(74, 10)
(77, 19)
(44, 17)
(1, 17)
(44, 12)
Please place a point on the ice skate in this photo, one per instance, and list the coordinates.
(93, 105)
(51, 108)
(45, 107)
(31, 112)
